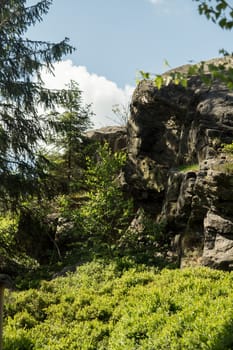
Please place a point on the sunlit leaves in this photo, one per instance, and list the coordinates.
(219, 11)
(123, 306)
(158, 81)
(208, 73)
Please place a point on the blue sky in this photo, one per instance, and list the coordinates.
(117, 38)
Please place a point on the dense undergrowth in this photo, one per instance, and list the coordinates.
(123, 306)
(76, 227)
(124, 294)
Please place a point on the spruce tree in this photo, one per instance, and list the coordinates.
(67, 137)
(22, 92)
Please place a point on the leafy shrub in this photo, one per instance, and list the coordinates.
(18, 340)
(228, 148)
(106, 212)
(108, 306)
(11, 257)
(8, 227)
(101, 222)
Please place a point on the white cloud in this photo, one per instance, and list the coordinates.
(97, 90)
(156, 2)
(171, 8)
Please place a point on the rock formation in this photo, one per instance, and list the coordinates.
(116, 136)
(168, 130)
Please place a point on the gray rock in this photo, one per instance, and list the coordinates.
(218, 245)
(174, 126)
(116, 136)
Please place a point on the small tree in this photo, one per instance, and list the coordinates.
(107, 213)
(67, 133)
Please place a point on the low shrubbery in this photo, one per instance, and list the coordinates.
(122, 306)
(94, 222)
(116, 302)
(13, 259)
(228, 148)
(100, 220)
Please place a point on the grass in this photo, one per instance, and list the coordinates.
(188, 167)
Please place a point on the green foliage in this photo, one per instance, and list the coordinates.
(144, 240)
(67, 142)
(226, 166)
(118, 308)
(106, 213)
(97, 220)
(228, 148)
(12, 258)
(8, 229)
(22, 91)
(221, 12)
(207, 72)
(67, 134)
(189, 167)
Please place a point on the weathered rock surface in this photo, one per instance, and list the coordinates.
(174, 127)
(116, 136)
(169, 129)
(218, 248)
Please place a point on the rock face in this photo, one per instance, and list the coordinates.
(169, 129)
(116, 136)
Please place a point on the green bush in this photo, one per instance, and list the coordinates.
(228, 148)
(102, 217)
(99, 220)
(115, 307)
(12, 258)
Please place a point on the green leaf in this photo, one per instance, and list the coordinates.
(158, 81)
(184, 82)
(144, 75)
(230, 85)
(223, 22)
(192, 70)
(166, 64)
